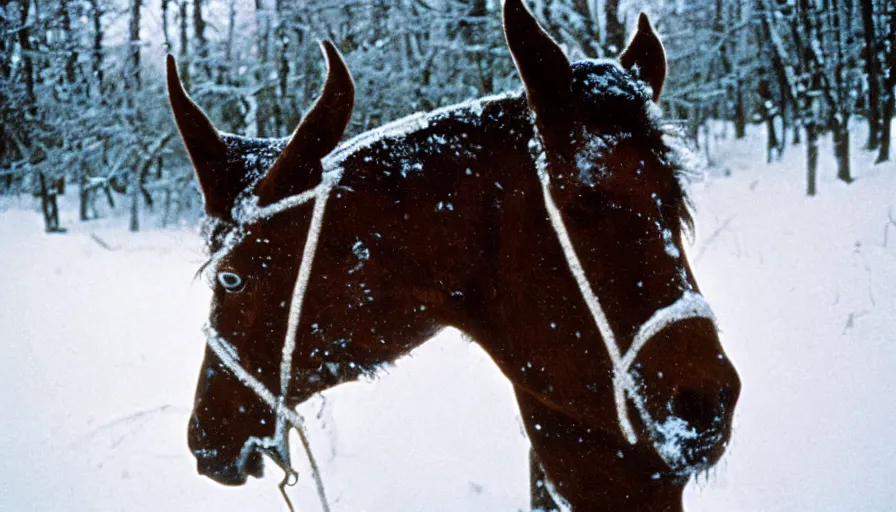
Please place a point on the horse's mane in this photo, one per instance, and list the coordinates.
(470, 110)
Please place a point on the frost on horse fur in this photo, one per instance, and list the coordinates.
(546, 225)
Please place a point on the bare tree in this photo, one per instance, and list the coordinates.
(88, 110)
(614, 39)
(133, 70)
(889, 81)
(872, 70)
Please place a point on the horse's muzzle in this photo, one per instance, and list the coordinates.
(224, 472)
(225, 466)
(694, 436)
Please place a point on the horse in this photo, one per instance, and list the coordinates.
(546, 224)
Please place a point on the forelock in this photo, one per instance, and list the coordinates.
(615, 103)
(612, 98)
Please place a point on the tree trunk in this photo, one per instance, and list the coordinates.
(740, 112)
(165, 30)
(889, 89)
(97, 51)
(883, 153)
(199, 34)
(70, 47)
(185, 76)
(800, 101)
(811, 157)
(784, 72)
(83, 198)
(767, 108)
(840, 119)
(50, 208)
(740, 108)
(834, 94)
(587, 36)
(872, 65)
(27, 63)
(231, 26)
(695, 119)
(134, 43)
(719, 23)
(6, 49)
(134, 193)
(614, 40)
(281, 51)
(841, 149)
(262, 28)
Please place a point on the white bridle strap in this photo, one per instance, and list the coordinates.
(225, 353)
(600, 318)
(298, 294)
(286, 417)
(690, 305)
(575, 266)
(322, 190)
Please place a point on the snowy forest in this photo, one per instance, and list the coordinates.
(83, 101)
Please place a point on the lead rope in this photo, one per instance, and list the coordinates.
(276, 446)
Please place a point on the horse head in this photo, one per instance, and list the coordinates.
(557, 244)
(236, 175)
(663, 390)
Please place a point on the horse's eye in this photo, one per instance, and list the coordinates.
(230, 281)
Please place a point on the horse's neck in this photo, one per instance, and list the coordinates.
(613, 463)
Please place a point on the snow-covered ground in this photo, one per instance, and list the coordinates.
(101, 347)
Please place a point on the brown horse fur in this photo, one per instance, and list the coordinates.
(439, 220)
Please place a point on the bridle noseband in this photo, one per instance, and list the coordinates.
(690, 305)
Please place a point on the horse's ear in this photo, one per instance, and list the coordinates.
(543, 67)
(645, 57)
(207, 152)
(299, 165)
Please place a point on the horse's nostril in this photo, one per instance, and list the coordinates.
(694, 408)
